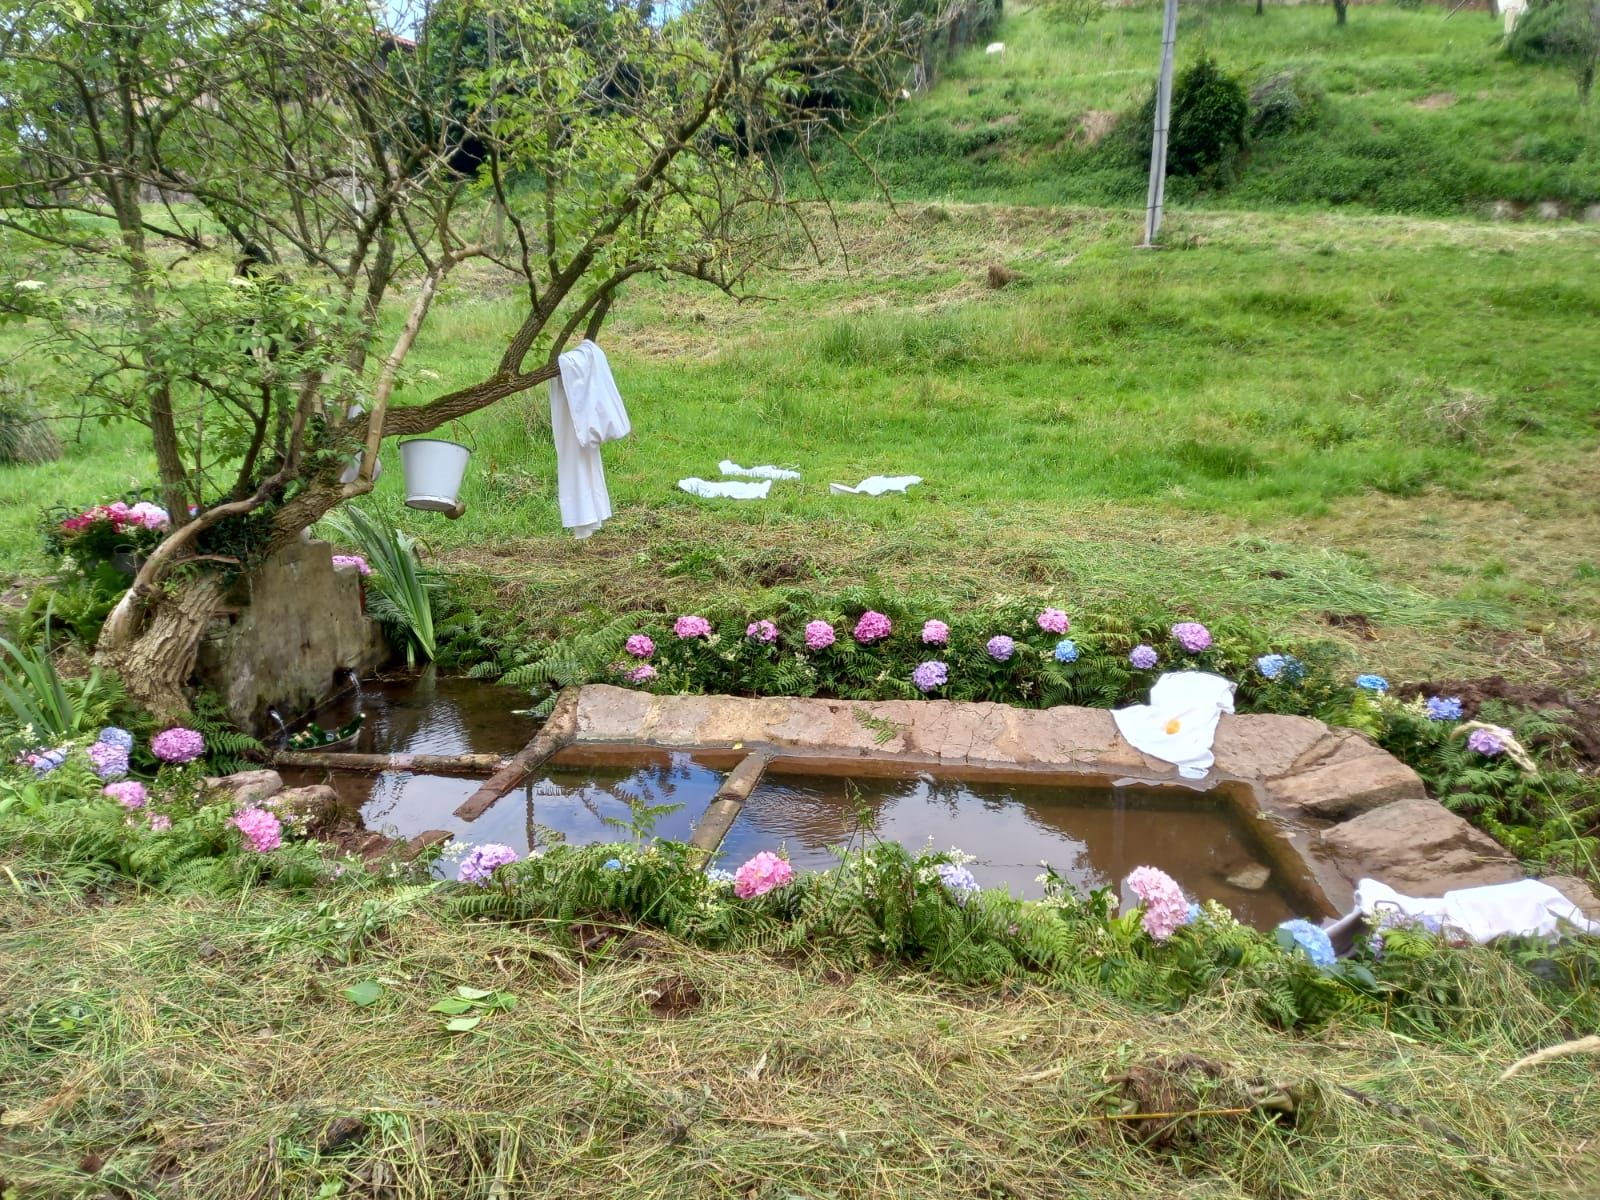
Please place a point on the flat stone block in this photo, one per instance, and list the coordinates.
(612, 714)
(1418, 847)
(247, 787)
(1346, 786)
(1263, 745)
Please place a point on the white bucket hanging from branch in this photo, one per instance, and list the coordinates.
(434, 469)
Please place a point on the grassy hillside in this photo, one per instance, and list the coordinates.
(1421, 114)
(1281, 416)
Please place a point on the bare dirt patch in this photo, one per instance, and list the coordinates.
(1436, 100)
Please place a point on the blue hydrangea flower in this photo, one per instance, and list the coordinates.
(1313, 939)
(958, 881)
(112, 736)
(1194, 913)
(612, 864)
(717, 877)
(1066, 651)
(1372, 683)
(1444, 708)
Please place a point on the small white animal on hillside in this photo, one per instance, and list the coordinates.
(995, 48)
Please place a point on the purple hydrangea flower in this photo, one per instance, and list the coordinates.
(109, 762)
(872, 627)
(1192, 636)
(45, 761)
(930, 675)
(478, 866)
(819, 635)
(1053, 620)
(640, 645)
(177, 745)
(691, 627)
(1485, 742)
(957, 880)
(1001, 648)
(1143, 656)
(763, 631)
(643, 673)
(1444, 708)
(130, 793)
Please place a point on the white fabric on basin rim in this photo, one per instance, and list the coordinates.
(725, 489)
(585, 410)
(1180, 722)
(1526, 907)
(877, 485)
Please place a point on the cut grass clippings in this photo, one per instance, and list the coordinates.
(208, 1054)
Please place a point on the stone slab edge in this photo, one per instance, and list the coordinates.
(1345, 806)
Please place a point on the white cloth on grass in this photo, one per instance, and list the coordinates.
(1180, 722)
(585, 410)
(877, 485)
(1527, 907)
(728, 467)
(725, 489)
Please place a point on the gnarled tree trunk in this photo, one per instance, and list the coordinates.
(156, 663)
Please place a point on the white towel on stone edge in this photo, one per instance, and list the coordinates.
(1528, 907)
(877, 485)
(725, 489)
(728, 467)
(1180, 722)
(585, 410)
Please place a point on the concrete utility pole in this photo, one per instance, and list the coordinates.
(1158, 145)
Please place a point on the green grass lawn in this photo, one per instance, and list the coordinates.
(1288, 415)
(1422, 113)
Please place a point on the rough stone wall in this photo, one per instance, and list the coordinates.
(284, 635)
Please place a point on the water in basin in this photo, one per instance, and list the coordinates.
(1092, 835)
(576, 797)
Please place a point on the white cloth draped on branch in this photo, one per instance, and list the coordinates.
(585, 410)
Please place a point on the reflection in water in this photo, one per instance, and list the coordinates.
(432, 714)
(1091, 836)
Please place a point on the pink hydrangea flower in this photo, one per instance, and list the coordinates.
(819, 635)
(872, 627)
(762, 631)
(1192, 636)
(177, 745)
(640, 645)
(763, 873)
(1165, 909)
(643, 673)
(261, 828)
(352, 560)
(129, 793)
(160, 822)
(935, 633)
(691, 627)
(1053, 620)
(151, 516)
